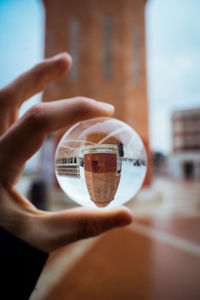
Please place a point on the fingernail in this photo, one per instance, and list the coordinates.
(107, 106)
(62, 55)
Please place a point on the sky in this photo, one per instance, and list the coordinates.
(173, 56)
(173, 63)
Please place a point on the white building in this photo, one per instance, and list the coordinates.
(184, 161)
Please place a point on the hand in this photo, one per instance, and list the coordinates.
(21, 138)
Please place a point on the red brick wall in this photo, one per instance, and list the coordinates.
(130, 100)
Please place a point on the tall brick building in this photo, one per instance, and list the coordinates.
(106, 39)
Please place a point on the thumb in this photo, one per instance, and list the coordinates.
(62, 228)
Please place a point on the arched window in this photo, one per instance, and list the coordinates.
(107, 48)
(136, 57)
(74, 31)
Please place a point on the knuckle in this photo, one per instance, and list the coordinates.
(36, 115)
(88, 229)
(37, 76)
(6, 97)
(46, 70)
(83, 103)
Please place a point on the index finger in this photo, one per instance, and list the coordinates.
(26, 136)
(35, 80)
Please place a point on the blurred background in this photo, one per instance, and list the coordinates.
(143, 57)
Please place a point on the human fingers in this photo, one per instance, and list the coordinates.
(26, 136)
(61, 228)
(34, 80)
(28, 84)
(8, 115)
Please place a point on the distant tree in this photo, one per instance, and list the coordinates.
(158, 159)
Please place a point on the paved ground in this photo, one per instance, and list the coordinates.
(157, 257)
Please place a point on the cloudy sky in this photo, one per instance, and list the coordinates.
(173, 55)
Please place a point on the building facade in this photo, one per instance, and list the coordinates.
(184, 162)
(106, 40)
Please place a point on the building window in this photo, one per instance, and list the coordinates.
(74, 31)
(136, 57)
(108, 193)
(107, 51)
(178, 142)
(178, 127)
(99, 192)
(50, 42)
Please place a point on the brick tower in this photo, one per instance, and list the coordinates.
(106, 39)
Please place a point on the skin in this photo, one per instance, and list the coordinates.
(46, 231)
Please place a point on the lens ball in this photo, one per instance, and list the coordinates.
(100, 163)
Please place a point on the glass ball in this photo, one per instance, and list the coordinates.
(100, 163)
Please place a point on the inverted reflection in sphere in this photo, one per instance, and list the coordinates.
(100, 163)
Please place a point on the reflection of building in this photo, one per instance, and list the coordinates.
(102, 174)
(106, 39)
(185, 160)
(102, 170)
(68, 167)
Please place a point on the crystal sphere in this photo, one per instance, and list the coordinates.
(100, 163)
